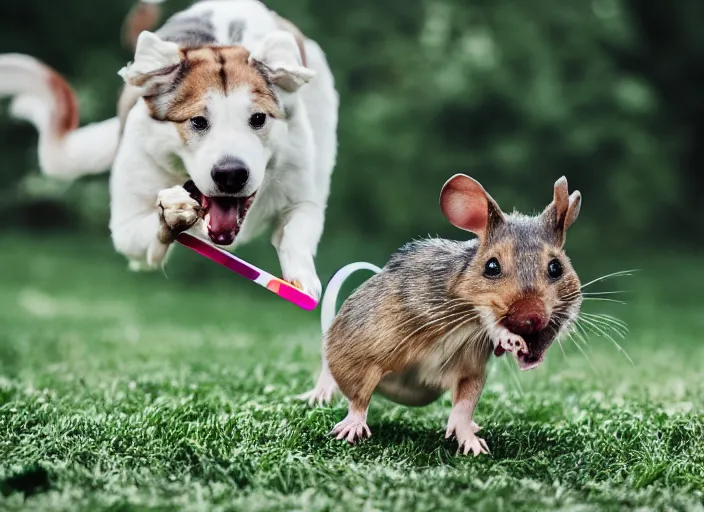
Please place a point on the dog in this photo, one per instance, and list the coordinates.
(226, 96)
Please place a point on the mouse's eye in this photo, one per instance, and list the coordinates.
(492, 268)
(555, 269)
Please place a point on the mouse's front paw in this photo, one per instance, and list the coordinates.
(178, 211)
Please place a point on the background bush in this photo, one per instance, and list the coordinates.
(516, 94)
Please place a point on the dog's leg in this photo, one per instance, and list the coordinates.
(296, 240)
(147, 210)
(146, 238)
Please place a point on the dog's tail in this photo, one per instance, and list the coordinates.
(328, 308)
(42, 97)
(143, 16)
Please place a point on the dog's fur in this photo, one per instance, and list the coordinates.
(222, 60)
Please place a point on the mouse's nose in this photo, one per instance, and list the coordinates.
(230, 175)
(526, 316)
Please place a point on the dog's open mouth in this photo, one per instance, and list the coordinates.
(223, 215)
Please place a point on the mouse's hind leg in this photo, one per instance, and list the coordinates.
(358, 390)
(324, 388)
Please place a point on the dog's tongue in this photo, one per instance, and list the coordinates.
(223, 219)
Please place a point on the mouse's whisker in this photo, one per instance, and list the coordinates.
(608, 292)
(581, 333)
(601, 330)
(563, 322)
(608, 322)
(609, 276)
(598, 328)
(446, 306)
(498, 321)
(457, 299)
(454, 325)
(570, 296)
(425, 325)
(605, 299)
(607, 318)
(432, 314)
(559, 344)
(566, 330)
(562, 311)
(471, 341)
(579, 347)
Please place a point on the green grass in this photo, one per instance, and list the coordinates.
(126, 391)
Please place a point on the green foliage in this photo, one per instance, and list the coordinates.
(513, 93)
(130, 392)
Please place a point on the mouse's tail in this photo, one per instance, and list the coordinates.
(328, 308)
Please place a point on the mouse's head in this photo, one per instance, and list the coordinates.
(520, 277)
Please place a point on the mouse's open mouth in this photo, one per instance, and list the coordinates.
(223, 215)
(538, 344)
(536, 352)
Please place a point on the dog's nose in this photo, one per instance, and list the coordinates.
(230, 175)
(526, 316)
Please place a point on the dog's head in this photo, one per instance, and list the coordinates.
(229, 108)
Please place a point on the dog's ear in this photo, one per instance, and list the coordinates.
(156, 63)
(279, 54)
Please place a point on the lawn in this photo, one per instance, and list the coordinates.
(123, 391)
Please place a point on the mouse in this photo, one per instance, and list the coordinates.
(429, 321)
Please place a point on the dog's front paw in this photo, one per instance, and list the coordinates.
(300, 275)
(178, 211)
(513, 343)
(309, 284)
(506, 341)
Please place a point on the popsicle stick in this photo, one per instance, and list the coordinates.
(283, 289)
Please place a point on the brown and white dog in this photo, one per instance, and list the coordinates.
(219, 95)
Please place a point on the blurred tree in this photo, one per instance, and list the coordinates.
(607, 92)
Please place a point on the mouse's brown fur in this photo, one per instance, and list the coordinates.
(434, 314)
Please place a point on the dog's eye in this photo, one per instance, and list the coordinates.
(492, 268)
(199, 123)
(257, 120)
(555, 269)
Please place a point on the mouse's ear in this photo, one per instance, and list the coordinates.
(468, 206)
(564, 209)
